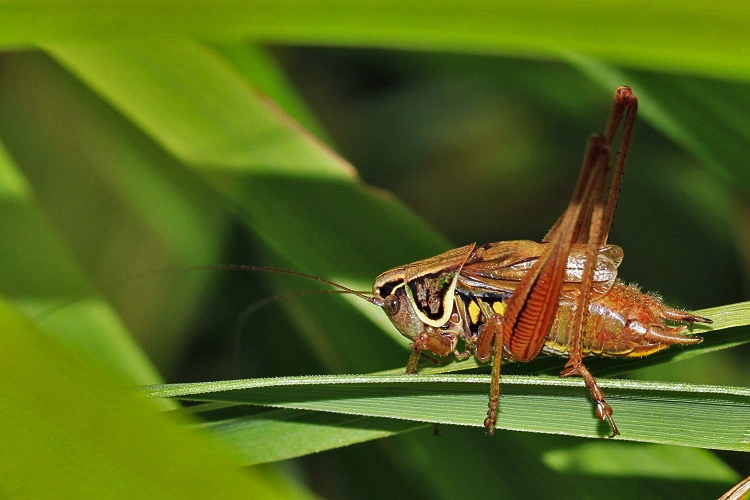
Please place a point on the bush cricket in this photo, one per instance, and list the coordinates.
(516, 299)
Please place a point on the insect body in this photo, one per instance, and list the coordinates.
(517, 299)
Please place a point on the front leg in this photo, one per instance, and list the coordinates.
(437, 341)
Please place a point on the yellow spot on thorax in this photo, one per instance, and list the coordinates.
(474, 312)
(499, 307)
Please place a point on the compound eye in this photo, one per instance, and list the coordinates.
(391, 305)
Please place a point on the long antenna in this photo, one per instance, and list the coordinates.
(242, 320)
(227, 267)
(265, 269)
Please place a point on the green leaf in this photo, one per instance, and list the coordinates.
(701, 37)
(703, 116)
(49, 443)
(663, 462)
(279, 434)
(98, 203)
(37, 270)
(700, 416)
(262, 72)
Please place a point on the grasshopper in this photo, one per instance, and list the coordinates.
(517, 299)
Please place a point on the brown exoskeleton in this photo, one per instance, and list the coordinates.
(516, 299)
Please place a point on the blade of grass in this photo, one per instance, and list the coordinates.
(703, 116)
(109, 444)
(265, 74)
(101, 202)
(701, 37)
(37, 270)
(252, 435)
(594, 458)
(287, 433)
(687, 415)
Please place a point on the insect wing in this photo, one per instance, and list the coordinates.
(498, 268)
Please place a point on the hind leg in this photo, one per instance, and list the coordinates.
(603, 410)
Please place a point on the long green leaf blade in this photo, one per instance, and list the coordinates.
(706, 39)
(688, 415)
(109, 444)
(279, 434)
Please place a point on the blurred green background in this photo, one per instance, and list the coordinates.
(125, 157)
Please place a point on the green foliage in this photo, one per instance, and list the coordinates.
(126, 151)
(85, 436)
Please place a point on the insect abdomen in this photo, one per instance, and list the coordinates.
(622, 323)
